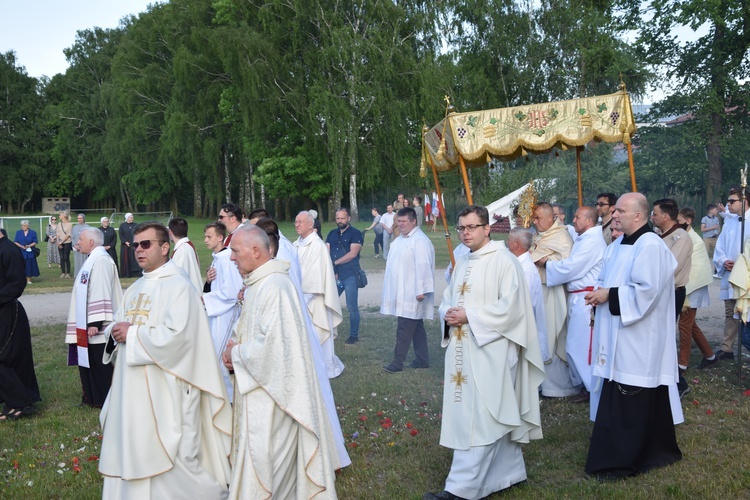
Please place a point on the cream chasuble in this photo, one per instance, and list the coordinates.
(166, 423)
(282, 443)
(321, 296)
(481, 401)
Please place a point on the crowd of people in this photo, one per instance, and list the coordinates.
(229, 370)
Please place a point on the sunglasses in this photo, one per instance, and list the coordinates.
(145, 244)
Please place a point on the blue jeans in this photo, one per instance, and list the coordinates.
(352, 304)
(745, 335)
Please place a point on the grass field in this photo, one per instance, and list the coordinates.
(392, 426)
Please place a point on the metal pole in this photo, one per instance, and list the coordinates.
(469, 198)
(743, 325)
(580, 182)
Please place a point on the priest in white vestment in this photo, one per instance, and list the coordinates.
(319, 288)
(223, 284)
(579, 273)
(285, 252)
(95, 297)
(493, 366)
(634, 400)
(554, 243)
(282, 443)
(184, 255)
(520, 240)
(409, 290)
(166, 424)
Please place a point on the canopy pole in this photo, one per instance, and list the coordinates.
(466, 180)
(632, 168)
(442, 212)
(580, 183)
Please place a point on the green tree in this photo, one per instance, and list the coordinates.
(701, 78)
(22, 145)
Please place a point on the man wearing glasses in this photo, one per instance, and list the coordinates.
(727, 250)
(166, 387)
(492, 361)
(605, 206)
(231, 216)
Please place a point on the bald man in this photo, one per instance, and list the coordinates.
(634, 400)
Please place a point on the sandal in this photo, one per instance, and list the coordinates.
(13, 414)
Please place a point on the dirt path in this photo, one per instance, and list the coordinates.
(52, 308)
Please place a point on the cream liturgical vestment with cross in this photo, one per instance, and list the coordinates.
(166, 423)
(321, 296)
(282, 442)
(555, 243)
(493, 369)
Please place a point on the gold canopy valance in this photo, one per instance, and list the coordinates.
(508, 133)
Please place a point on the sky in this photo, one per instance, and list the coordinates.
(38, 30)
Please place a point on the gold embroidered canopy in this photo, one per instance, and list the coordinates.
(473, 139)
(508, 133)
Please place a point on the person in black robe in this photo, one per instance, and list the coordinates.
(18, 386)
(129, 267)
(110, 240)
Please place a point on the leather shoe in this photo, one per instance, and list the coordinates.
(443, 495)
(418, 364)
(724, 355)
(581, 397)
(351, 340)
(708, 363)
(392, 368)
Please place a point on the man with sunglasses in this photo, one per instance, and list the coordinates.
(231, 216)
(344, 244)
(166, 387)
(727, 250)
(605, 207)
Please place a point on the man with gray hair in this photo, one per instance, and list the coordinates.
(319, 289)
(520, 240)
(283, 445)
(96, 295)
(78, 256)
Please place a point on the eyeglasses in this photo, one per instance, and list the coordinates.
(730, 200)
(53, 219)
(221, 217)
(145, 244)
(600, 204)
(470, 227)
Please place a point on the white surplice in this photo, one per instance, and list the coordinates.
(287, 253)
(222, 308)
(637, 347)
(493, 370)
(321, 296)
(166, 424)
(282, 444)
(186, 258)
(578, 272)
(537, 302)
(409, 272)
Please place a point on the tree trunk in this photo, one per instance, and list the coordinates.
(197, 193)
(277, 208)
(287, 208)
(227, 183)
(713, 155)
(263, 196)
